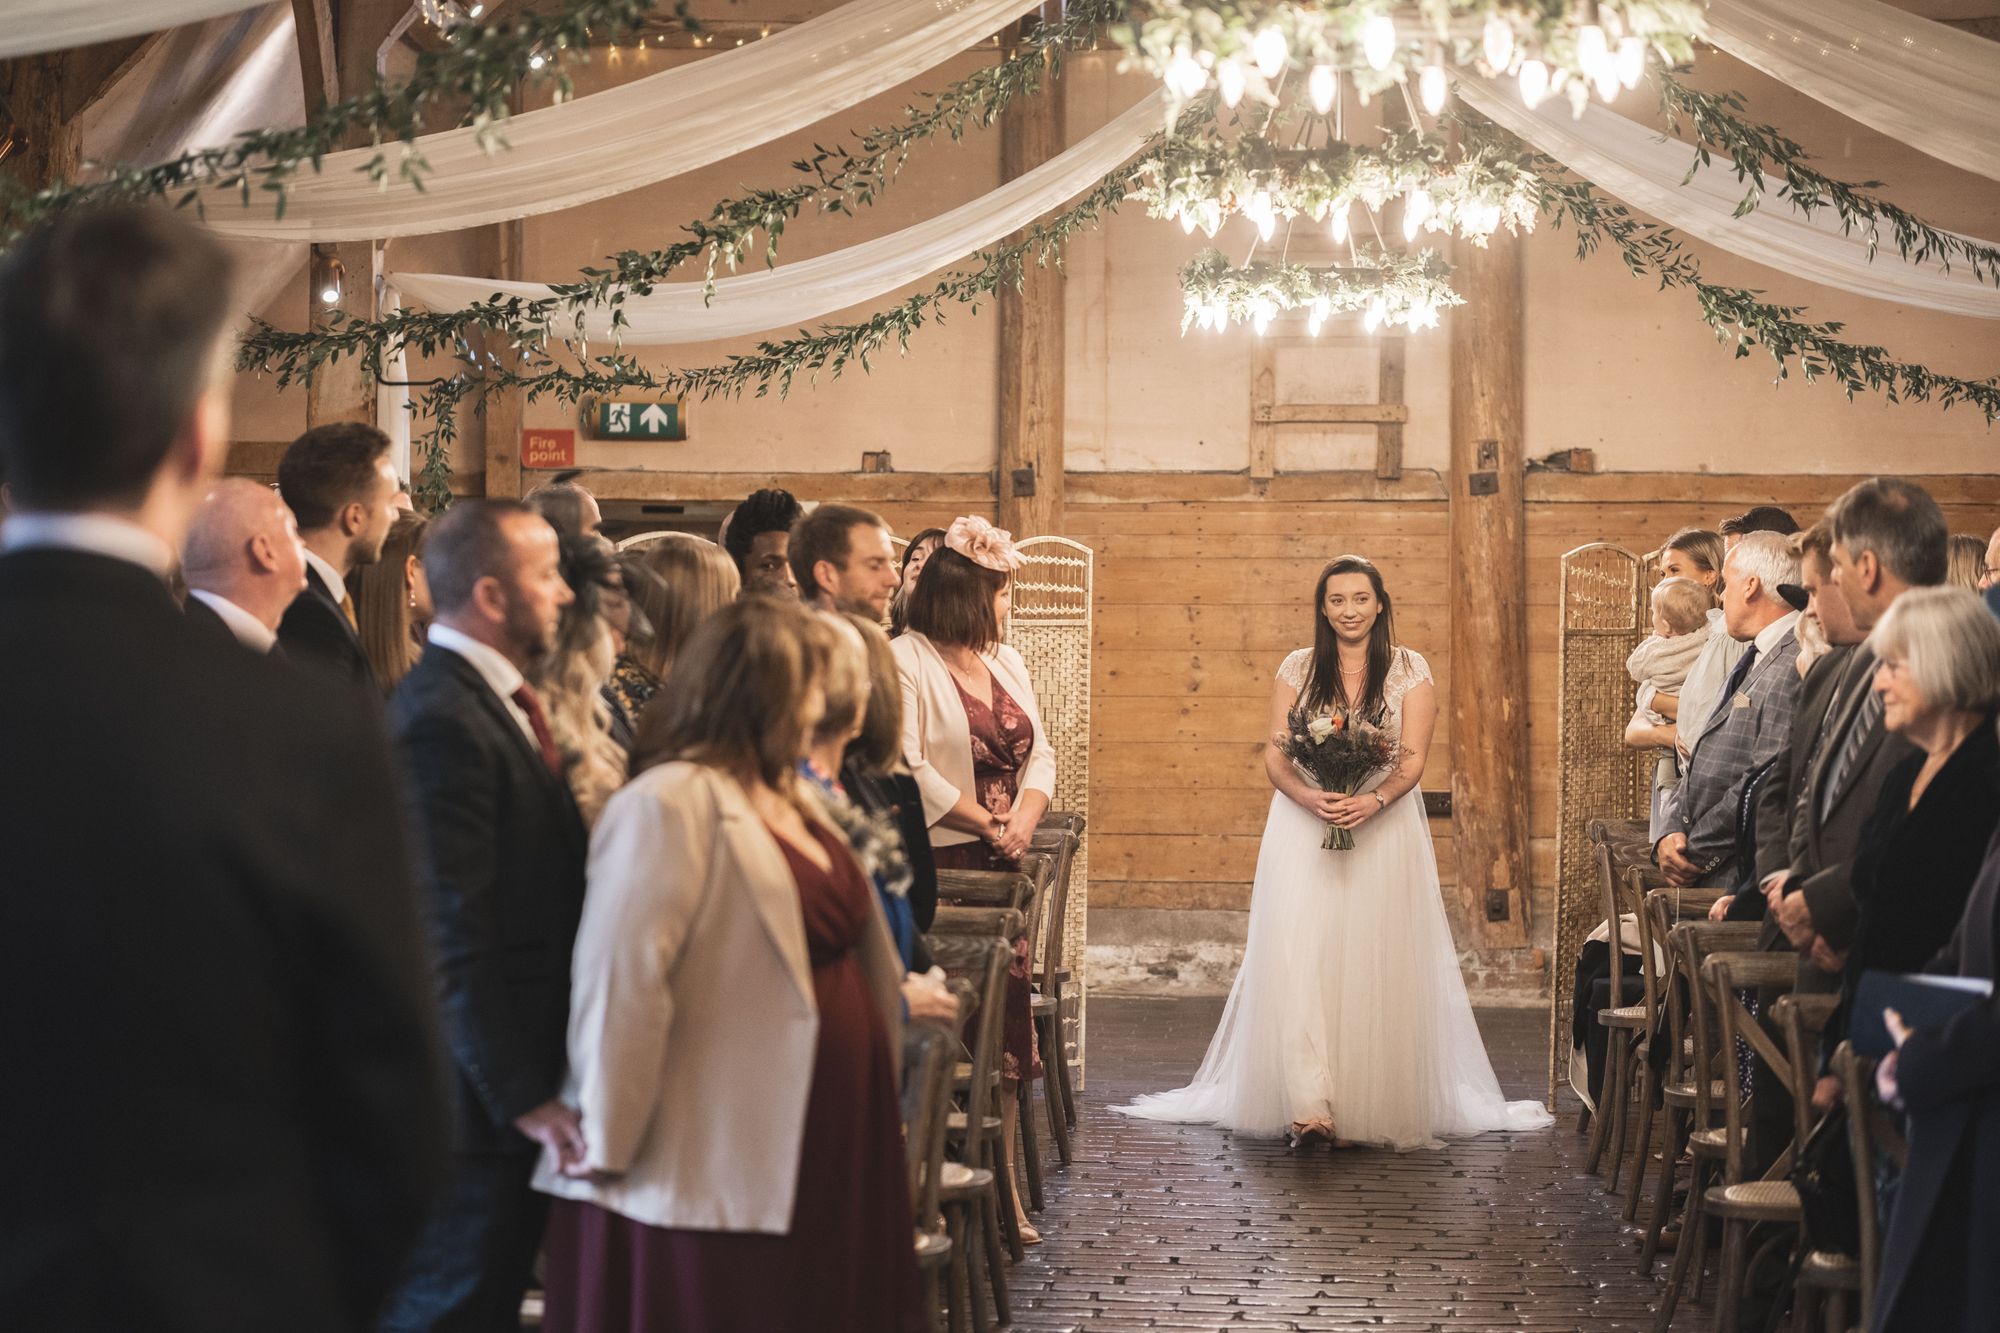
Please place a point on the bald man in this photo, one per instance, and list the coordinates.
(243, 563)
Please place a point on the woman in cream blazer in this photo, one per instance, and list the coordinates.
(696, 1050)
(937, 743)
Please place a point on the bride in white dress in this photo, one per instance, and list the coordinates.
(1349, 1020)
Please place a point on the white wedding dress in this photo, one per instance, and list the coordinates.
(1349, 1006)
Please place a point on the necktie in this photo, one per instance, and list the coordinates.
(1866, 717)
(538, 722)
(347, 609)
(1737, 675)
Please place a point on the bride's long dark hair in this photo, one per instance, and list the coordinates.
(1324, 687)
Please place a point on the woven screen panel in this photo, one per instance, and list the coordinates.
(1051, 630)
(1601, 617)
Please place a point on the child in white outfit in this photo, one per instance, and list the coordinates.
(1659, 665)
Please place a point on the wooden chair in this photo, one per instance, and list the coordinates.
(974, 944)
(1623, 1023)
(1066, 1005)
(1706, 1143)
(928, 1056)
(1058, 1093)
(1737, 1203)
(1042, 868)
(1871, 1135)
(1826, 1278)
(1657, 907)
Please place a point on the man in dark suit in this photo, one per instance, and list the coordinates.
(1888, 536)
(342, 489)
(502, 855)
(223, 1084)
(1750, 724)
(243, 564)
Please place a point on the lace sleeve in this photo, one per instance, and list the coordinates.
(1293, 669)
(1416, 671)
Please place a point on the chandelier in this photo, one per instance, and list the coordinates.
(1243, 48)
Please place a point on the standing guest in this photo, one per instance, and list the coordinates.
(1757, 518)
(758, 537)
(921, 548)
(1965, 562)
(873, 772)
(243, 564)
(973, 740)
(1704, 679)
(844, 561)
(1889, 536)
(571, 678)
(220, 1050)
(675, 583)
(1750, 724)
(502, 851)
(342, 489)
(1939, 678)
(570, 509)
(1989, 565)
(736, 1030)
(392, 602)
(1695, 554)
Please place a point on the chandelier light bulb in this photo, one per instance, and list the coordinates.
(1497, 43)
(1424, 315)
(1259, 210)
(1378, 41)
(1271, 51)
(1321, 87)
(1340, 222)
(1631, 61)
(1187, 222)
(1433, 87)
(1231, 81)
(1607, 82)
(537, 60)
(1185, 77)
(1378, 310)
(1534, 83)
(1417, 210)
(1593, 52)
(1315, 322)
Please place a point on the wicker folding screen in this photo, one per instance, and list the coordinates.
(1051, 631)
(1601, 617)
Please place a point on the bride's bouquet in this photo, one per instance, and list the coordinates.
(1337, 752)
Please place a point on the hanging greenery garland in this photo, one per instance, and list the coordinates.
(1388, 288)
(1470, 192)
(473, 78)
(1242, 48)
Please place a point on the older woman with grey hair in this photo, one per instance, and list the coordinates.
(1939, 680)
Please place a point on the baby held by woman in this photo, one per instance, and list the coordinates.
(1659, 665)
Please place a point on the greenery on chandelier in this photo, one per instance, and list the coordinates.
(1243, 48)
(1739, 316)
(474, 77)
(1389, 288)
(1470, 191)
(1759, 150)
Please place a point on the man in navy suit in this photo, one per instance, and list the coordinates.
(501, 868)
(343, 491)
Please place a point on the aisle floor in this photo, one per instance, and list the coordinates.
(1190, 1228)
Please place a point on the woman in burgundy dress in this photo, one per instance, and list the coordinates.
(973, 739)
(735, 1028)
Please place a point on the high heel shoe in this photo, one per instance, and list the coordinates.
(1309, 1133)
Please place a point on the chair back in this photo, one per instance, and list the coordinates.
(1692, 942)
(1063, 844)
(1611, 890)
(1800, 1019)
(1871, 1133)
(1007, 889)
(1726, 974)
(978, 944)
(927, 1071)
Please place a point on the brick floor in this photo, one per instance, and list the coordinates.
(1190, 1228)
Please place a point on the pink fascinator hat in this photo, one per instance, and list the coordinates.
(984, 545)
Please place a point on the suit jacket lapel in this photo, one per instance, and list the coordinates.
(317, 586)
(495, 708)
(769, 876)
(1839, 714)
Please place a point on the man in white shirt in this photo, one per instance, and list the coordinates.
(243, 562)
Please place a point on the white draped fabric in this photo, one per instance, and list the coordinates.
(1930, 86)
(1645, 170)
(638, 133)
(29, 26)
(793, 294)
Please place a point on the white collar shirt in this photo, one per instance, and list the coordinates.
(328, 575)
(98, 534)
(251, 632)
(500, 675)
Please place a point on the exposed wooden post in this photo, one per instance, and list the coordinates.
(341, 41)
(1031, 340)
(1488, 566)
(505, 408)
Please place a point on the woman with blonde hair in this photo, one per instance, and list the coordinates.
(735, 1026)
(392, 602)
(675, 583)
(1965, 561)
(571, 678)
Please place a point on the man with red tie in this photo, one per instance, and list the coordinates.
(501, 860)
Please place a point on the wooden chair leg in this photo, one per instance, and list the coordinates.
(1686, 1252)
(1031, 1151)
(1064, 1079)
(1003, 1184)
(1601, 1118)
(1663, 1186)
(1617, 1097)
(1649, 1092)
(1583, 1119)
(1055, 1095)
(958, 1273)
(996, 1262)
(1729, 1289)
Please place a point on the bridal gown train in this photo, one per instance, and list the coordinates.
(1349, 1006)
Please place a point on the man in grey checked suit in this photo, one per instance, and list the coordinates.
(1751, 723)
(1888, 537)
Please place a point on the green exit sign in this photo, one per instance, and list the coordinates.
(641, 421)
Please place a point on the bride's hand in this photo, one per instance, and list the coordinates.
(1326, 805)
(1352, 811)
